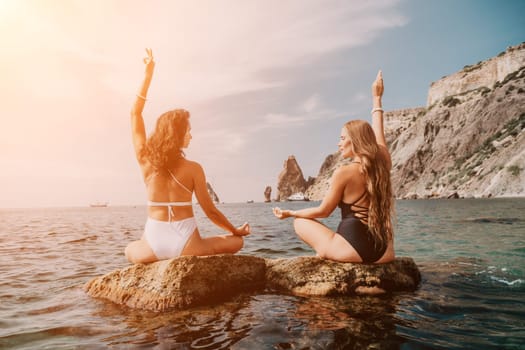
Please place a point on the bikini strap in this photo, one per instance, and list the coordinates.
(358, 199)
(177, 181)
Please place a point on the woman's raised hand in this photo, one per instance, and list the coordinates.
(243, 230)
(281, 214)
(149, 62)
(377, 85)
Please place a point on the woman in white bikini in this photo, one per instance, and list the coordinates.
(171, 179)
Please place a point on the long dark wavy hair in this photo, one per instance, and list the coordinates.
(165, 144)
(377, 174)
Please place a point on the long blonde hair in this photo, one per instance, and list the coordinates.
(377, 176)
(165, 143)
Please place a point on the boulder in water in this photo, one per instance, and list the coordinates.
(317, 276)
(180, 283)
(190, 281)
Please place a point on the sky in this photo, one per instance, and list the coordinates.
(263, 80)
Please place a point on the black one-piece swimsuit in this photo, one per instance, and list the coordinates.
(356, 232)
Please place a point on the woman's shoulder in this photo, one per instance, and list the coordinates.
(348, 170)
(189, 164)
(348, 175)
(350, 166)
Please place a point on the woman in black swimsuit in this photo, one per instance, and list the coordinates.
(362, 190)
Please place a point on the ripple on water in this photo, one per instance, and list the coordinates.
(49, 309)
(81, 240)
(495, 220)
(69, 335)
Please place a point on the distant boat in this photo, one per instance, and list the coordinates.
(250, 201)
(299, 196)
(99, 204)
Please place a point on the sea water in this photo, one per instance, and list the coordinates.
(471, 253)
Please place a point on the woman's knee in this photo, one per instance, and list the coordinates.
(237, 243)
(136, 252)
(299, 225)
(128, 252)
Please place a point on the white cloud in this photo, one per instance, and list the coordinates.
(282, 120)
(310, 110)
(359, 97)
(222, 141)
(213, 48)
(311, 103)
(203, 49)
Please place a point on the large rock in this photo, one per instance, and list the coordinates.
(317, 276)
(212, 193)
(180, 283)
(318, 186)
(191, 281)
(291, 179)
(267, 194)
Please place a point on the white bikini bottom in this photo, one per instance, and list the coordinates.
(168, 239)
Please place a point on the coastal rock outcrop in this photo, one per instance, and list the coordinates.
(180, 283)
(316, 276)
(469, 141)
(267, 194)
(291, 179)
(319, 185)
(212, 193)
(478, 76)
(190, 281)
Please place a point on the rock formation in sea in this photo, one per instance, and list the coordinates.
(180, 283)
(469, 140)
(268, 194)
(212, 193)
(291, 179)
(308, 275)
(190, 281)
(319, 185)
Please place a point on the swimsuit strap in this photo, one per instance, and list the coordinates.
(357, 200)
(170, 206)
(177, 181)
(360, 209)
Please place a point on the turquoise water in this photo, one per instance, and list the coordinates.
(471, 254)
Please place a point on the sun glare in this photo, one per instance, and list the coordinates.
(6, 4)
(7, 8)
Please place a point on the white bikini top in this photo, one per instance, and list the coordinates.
(170, 205)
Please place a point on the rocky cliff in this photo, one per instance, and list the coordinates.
(478, 76)
(268, 194)
(212, 193)
(291, 179)
(469, 141)
(321, 183)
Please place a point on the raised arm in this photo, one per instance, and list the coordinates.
(377, 109)
(138, 131)
(377, 113)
